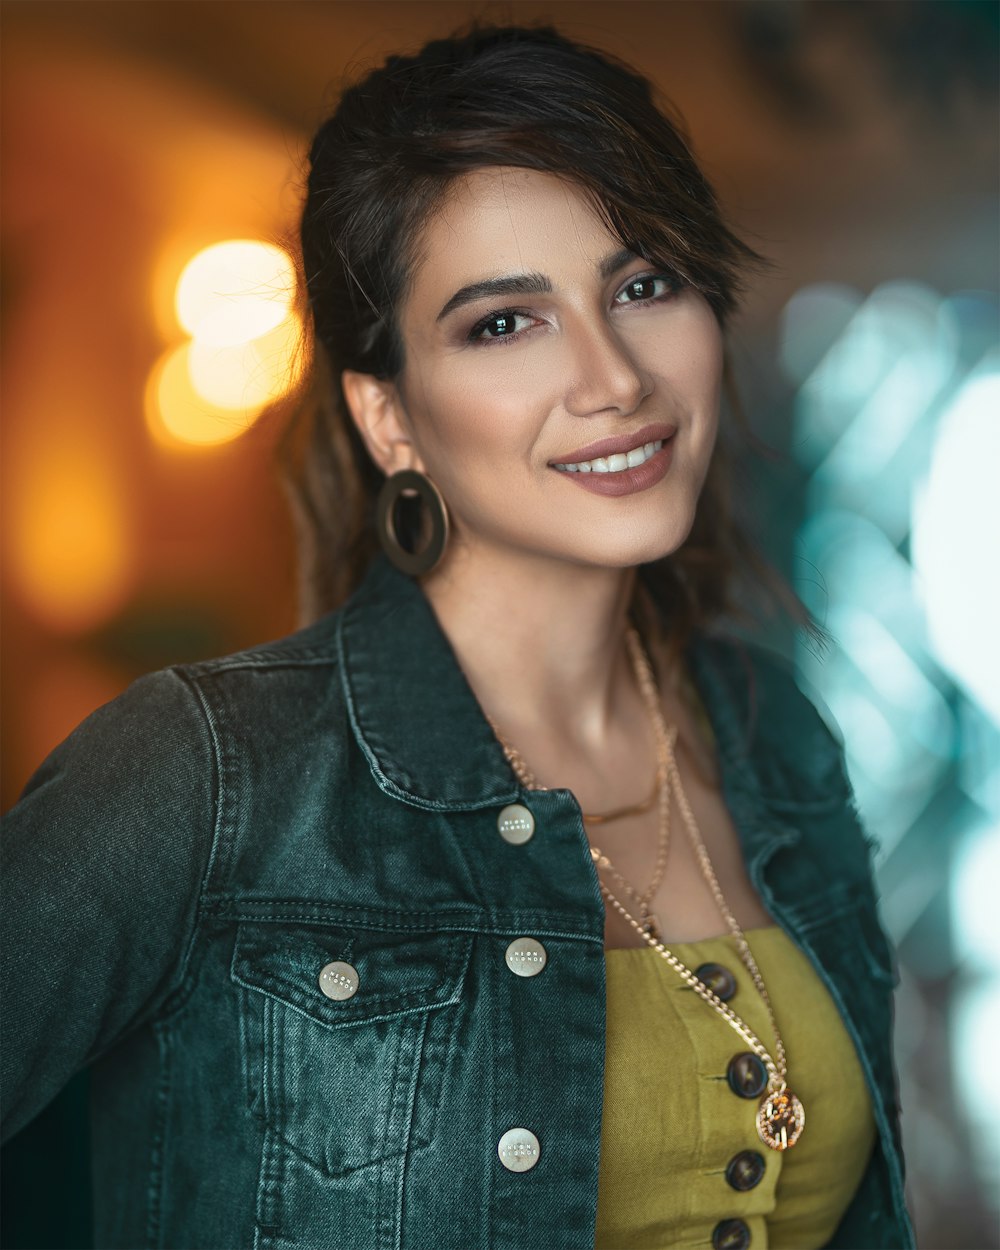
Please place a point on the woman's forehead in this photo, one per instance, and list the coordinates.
(501, 220)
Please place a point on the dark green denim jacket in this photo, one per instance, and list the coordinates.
(182, 867)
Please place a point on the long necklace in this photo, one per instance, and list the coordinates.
(780, 1114)
(661, 789)
(635, 809)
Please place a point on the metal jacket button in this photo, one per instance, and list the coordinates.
(339, 980)
(730, 1235)
(516, 824)
(518, 1149)
(719, 980)
(747, 1075)
(526, 957)
(745, 1170)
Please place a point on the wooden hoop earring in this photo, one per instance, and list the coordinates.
(393, 488)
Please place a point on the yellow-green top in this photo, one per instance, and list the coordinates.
(672, 1123)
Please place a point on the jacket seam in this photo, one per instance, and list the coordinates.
(216, 815)
(259, 660)
(474, 922)
(158, 1146)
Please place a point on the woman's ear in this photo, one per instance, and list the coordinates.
(377, 410)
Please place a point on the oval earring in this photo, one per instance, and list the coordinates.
(424, 558)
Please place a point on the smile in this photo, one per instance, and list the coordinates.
(623, 473)
(616, 463)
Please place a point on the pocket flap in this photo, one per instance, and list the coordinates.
(397, 973)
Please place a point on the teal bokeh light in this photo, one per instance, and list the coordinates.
(956, 538)
(897, 427)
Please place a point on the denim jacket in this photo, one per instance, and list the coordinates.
(182, 871)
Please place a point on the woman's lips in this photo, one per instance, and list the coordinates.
(626, 481)
(619, 444)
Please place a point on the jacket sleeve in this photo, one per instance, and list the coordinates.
(100, 877)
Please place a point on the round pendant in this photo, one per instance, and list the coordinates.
(780, 1120)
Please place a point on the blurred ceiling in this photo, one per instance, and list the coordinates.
(812, 117)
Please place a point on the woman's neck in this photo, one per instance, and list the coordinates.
(541, 642)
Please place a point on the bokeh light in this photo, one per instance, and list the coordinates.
(956, 539)
(178, 416)
(975, 1025)
(235, 300)
(811, 321)
(245, 376)
(69, 551)
(235, 291)
(896, 424)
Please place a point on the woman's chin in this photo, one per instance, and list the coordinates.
(635, 546)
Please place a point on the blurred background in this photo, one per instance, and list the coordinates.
(153, 157)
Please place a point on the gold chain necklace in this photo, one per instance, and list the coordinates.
(780, 1114)
(592, 818)
(618, 813)
(664, 741)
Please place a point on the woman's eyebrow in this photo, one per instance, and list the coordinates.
(617, 260)
(527, 283)
(491, 288)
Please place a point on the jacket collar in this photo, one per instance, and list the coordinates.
(419, 724)
(412, 710)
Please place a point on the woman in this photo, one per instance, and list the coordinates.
(427, 924)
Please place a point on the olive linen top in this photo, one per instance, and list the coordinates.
(681, 1162)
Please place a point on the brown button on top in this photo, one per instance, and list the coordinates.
(719, 980)
(730, 1235)
(745, 1170)
(747, 1075)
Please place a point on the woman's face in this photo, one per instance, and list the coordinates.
(529, 336)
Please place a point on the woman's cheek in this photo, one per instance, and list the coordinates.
(527, 369)
(491, 402)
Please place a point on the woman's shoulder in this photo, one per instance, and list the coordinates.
(312, 645)
(301, 651)
(176, 720)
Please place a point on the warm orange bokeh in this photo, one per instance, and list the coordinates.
(123, 173)
(234, 291)
(178, 417)
(70, 554)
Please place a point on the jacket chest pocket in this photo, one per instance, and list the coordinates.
(354, 1078)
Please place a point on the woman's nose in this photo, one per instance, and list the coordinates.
(603, 375)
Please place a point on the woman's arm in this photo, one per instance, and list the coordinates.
(102, 863)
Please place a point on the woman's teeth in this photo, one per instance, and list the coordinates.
(616, 463)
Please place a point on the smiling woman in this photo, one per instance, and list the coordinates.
(407, 983)
(600, 356)
(470, 139)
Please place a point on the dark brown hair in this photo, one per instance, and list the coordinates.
(382, 162)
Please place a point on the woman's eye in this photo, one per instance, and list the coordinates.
(646, 287)
(500, 325)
